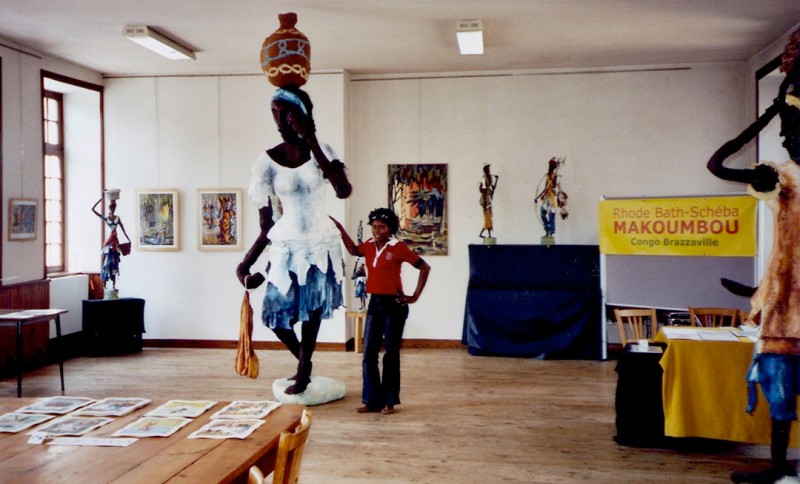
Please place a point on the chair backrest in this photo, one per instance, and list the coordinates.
(632, 326)
(289, 456)
(714, 317)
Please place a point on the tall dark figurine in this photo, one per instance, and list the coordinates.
(305, 267)
(776, 302)
(487, 187)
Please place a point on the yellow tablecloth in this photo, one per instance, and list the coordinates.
(704, 392)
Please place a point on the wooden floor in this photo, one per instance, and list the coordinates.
(463, 418)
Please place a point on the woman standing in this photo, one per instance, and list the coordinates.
(388, 307)
(305, 265)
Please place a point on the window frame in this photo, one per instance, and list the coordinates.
(58, 150)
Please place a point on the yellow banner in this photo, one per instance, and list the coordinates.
(707, 226)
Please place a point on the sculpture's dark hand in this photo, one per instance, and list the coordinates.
(249, 281)
(253, 281)
(765, 178)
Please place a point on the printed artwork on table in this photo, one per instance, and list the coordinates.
(70, 425)
(247, 409)
(56, 405)
(113, 407)
(153, 427)
(16, 422)
(182, 408)
(227, 429)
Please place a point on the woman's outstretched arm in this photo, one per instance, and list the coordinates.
(351, 247)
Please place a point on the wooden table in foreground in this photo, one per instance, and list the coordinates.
(172, 459)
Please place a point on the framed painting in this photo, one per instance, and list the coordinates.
(219, 219)
(158, 222)
(22, 218)
(418, 195)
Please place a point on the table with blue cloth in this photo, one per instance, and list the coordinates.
(534, 301)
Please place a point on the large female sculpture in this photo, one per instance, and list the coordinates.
(305, 265)
(776, 302)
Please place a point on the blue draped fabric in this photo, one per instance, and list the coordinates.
(534, 301)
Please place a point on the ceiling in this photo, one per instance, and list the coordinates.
(392, 37)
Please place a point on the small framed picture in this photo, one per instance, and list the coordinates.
(22, 218)
(158, 222)
(219, 219)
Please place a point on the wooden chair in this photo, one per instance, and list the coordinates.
(743, 315)
(714, 317)
(289, 457)
(631, 324)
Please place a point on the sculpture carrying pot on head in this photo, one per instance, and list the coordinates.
(112, 247)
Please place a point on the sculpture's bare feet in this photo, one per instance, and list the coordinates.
(296, 389)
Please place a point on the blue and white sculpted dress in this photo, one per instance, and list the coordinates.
(305, 264)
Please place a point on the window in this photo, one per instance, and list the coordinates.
(72, 146)
(53, 115)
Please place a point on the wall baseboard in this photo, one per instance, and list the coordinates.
(276, 345)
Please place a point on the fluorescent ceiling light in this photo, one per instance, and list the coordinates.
(470, 36)
(147, 37)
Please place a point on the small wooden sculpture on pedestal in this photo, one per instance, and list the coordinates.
(487, 187)
(552, 198)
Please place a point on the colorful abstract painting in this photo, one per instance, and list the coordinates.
(220, 218)
(158, 227)
(418, 195)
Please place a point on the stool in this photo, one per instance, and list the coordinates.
(358, 319)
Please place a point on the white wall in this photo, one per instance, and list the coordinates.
(641, 132)
(646, 133)
(770, 147)
(22, 148)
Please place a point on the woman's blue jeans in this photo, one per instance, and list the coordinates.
(385, 318)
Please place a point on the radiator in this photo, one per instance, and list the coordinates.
(68, 293)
